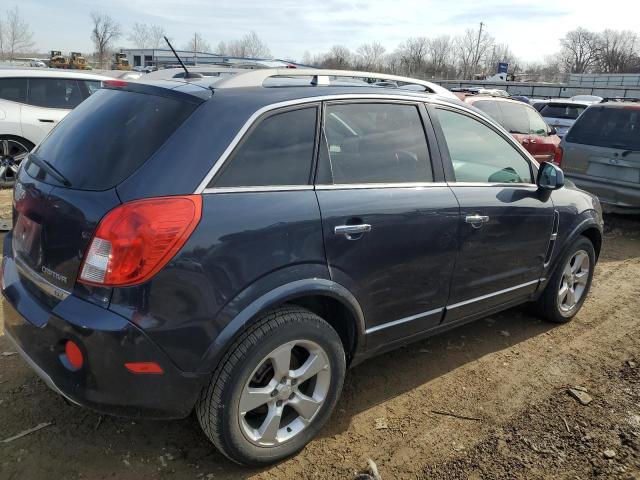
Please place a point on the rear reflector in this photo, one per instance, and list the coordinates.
(74, 354)
(144, 367)
(557, 158)
(135, 240)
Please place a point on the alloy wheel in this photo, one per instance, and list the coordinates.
(12, 153)
(573, 282)
(284, 393)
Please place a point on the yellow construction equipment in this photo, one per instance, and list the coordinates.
(120, 62)
(57, 60)
(78, 62)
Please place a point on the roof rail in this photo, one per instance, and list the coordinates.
(620, 99)
(320, 77)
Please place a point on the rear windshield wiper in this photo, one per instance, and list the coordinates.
(50, 169)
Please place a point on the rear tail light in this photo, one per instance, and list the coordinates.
(557, 158)
(135, 240)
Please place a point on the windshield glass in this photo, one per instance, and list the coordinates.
(617, 127)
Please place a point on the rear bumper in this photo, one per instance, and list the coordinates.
(608, 192)
(107, 341)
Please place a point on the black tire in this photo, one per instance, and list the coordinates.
(17, 145)
(218, 408)
(548, 305)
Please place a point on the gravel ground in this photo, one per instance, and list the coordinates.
(508, 376)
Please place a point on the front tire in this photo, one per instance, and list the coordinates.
(569, 286)
(275, 388)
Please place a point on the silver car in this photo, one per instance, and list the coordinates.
(561, 114)
(601, 153)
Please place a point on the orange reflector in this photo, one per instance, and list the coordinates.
(144, 367)
(74, 354)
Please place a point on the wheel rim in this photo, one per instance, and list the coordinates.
(573, 282)
(284, 393)
(12, 153)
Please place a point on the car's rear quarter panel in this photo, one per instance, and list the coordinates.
(242, 238)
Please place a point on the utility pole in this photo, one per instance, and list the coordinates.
(195, 48)
(476, 60)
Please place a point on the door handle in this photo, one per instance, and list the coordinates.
(476, 221)
(46, 120)
(352, 232)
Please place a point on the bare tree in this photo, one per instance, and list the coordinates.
(370, 56)
(618, 51)
(105, 31)
(580, 50)
(17, 36)
(413, 54)
(339, 57)
(250, 45)
(471, 49)
(147, 36)
(197, 44)
(439, 53)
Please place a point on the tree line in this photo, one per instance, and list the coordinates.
(473, 54)
(476, 53)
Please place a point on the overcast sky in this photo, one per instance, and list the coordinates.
(291, 27)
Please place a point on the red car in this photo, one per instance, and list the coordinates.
(522, 121)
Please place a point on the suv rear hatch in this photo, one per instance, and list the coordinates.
(561, 115)
(604, 143)
(68, 183)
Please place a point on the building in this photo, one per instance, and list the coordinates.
(164, 57)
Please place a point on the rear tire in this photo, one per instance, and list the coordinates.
(275, 388)
(13, 150)
(569, 286)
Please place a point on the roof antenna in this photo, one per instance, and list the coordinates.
(187, 73)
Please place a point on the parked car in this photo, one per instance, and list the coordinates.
(300, 231)
(32, 102)
(523, 122)
(561, 114)
(601, 153)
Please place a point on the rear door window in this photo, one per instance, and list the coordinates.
(277, 151)
(109, 136)
(89, 87)
(613, 127)
(13, 89)
(479, 154)
(374, 143)
(54, 93)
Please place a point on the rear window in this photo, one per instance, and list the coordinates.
(109, 135)
(569, 112)
(617, 127)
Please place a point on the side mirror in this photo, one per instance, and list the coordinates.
(550, 177)
(552, 130)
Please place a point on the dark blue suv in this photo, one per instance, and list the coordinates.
(233, 247)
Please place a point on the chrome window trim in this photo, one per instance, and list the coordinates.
(494, 294)
(219, 163)
(402, 320)
(263, 188)
(359, 186)
(41, 282)
(532, 186)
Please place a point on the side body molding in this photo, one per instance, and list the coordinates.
(277, 296)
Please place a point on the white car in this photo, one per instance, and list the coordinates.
(32, 102)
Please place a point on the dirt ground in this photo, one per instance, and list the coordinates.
(507, 375)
